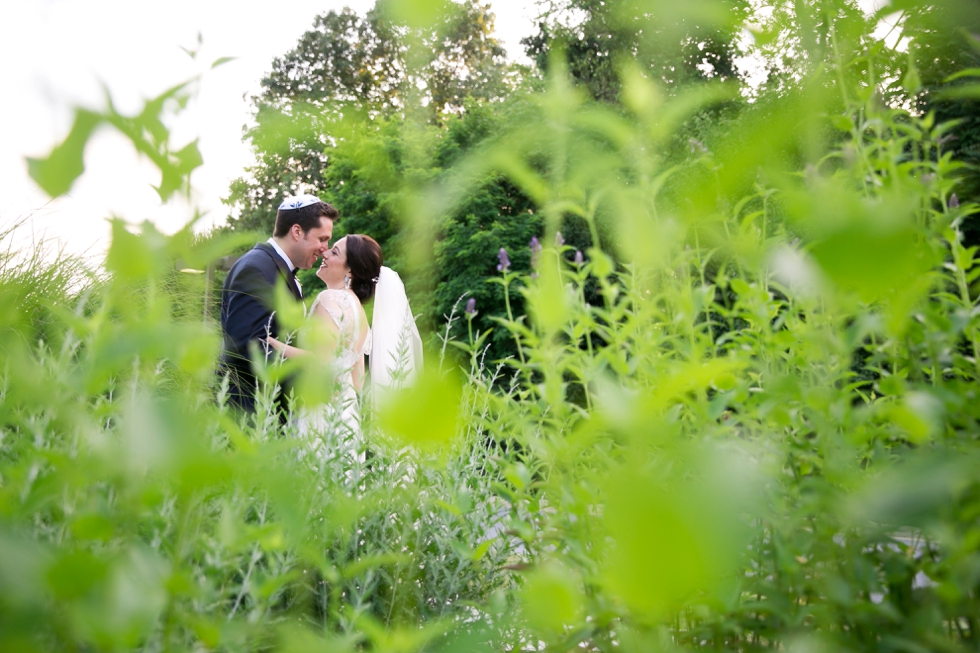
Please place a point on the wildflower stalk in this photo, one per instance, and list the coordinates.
(508, 276)
(503, 265)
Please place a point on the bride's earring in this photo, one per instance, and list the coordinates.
(346, 282)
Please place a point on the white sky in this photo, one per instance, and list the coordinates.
(57, 53)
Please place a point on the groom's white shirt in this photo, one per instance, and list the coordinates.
(292, 268)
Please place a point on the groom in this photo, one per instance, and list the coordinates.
(303, 228)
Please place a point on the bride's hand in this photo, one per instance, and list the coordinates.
(275, 344)
(286, 351)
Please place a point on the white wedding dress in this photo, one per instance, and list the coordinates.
(395, 347)
(338, 423)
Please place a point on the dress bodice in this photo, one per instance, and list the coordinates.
(341, 306)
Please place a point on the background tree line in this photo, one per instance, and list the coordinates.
(355, 113)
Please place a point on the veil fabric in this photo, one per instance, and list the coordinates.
(396, 349)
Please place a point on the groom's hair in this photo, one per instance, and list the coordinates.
(364, 258)
(306, 217)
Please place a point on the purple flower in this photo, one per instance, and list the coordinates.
(954, 201)
(578, 257)
(535, 250)
(559, 241)
(470, 307)
(504, 263)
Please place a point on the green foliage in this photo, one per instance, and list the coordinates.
(135, 513)
(944, 44)
(372, 169)
(56, 173)
(353, 68)
(676, 43)
(743, 421)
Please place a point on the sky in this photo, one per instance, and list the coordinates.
(58, 54)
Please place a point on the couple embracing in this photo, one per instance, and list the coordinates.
(353, 272)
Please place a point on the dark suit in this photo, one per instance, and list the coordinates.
(247, 316)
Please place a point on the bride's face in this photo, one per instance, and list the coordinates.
(334, 265)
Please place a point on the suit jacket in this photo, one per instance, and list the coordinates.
(247, 316)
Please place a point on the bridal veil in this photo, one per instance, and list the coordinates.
(396, 349)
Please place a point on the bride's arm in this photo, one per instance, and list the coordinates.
(289, 351)
(286, 351)
(323, 317)
(357, 374)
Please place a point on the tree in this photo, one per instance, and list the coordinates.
(675, 44)
(351, 68)
(370, 170)
(944, 41)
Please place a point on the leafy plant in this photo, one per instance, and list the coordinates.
(744, 417)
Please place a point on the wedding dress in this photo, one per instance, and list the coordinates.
(395, 348)
(338, 423)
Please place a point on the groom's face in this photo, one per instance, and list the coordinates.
(313, 243)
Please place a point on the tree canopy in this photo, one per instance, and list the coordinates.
(675, 43)
(366, 109)
(351, 68)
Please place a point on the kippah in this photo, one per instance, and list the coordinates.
(298, 202)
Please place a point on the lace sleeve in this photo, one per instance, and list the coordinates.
(337, 305)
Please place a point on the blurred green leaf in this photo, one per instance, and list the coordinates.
(92, 526)
(552, 599)
(220, 61)
(414, 13)
(75, 573)
(424, 414)
(911, 492)
(912, 82)
(873, 259)
(135, 257)
(56, 173)
(547, 299)
(676, 535)
(22, 565)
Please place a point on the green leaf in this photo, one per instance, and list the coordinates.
(639, 94)
(373, 562)
(764, 37)
(56, 173)
(188, 158)
(547, 298)
(220, 61)
(676, 531)
(74, 573)
(602, 264)
(966, 72)
(919, 415)
(22, 565)
(843, 123)
(911, 82)
(92, 526)
(965, 92)
(552, 599)
(481, 550)
(414, 13)
(873, 259)
(424, 414)
(136, 257)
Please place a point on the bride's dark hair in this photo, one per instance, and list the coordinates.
(364, 259)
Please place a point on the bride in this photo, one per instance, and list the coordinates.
(353, 273)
